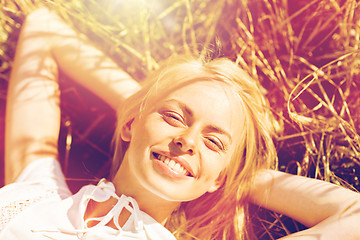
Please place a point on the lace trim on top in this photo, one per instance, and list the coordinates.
(11, 209)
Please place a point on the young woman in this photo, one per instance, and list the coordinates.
(192, 146)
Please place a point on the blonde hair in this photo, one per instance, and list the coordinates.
(223, 213)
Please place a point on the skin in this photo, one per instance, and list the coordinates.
(185, 125)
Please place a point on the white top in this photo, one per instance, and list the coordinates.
(40, 206)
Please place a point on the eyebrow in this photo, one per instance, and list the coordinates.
(213, 128)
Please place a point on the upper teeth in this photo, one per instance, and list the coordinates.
(176, 167)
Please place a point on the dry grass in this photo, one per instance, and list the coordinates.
(304, 54)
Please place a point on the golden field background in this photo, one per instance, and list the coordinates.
(304, 54)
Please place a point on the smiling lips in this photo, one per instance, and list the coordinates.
(175, 165)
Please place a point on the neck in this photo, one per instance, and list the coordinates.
(155, 206)
(125, 183)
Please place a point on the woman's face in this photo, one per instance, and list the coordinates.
(182, 142)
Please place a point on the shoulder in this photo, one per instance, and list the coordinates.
(41, 180)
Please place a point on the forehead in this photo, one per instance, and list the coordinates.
(218, 93)
(212, 102)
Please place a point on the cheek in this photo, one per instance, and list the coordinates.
(150, 130)
(213, 165)
(222, 163)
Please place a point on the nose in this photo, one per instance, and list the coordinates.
(186, 142)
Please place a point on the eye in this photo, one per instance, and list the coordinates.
(214, 144)
(174, 118)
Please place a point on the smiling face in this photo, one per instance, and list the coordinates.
(181, 143)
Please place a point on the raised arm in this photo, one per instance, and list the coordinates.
(82, 61)
(33, 114)
(86, 64)
(331, 212)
